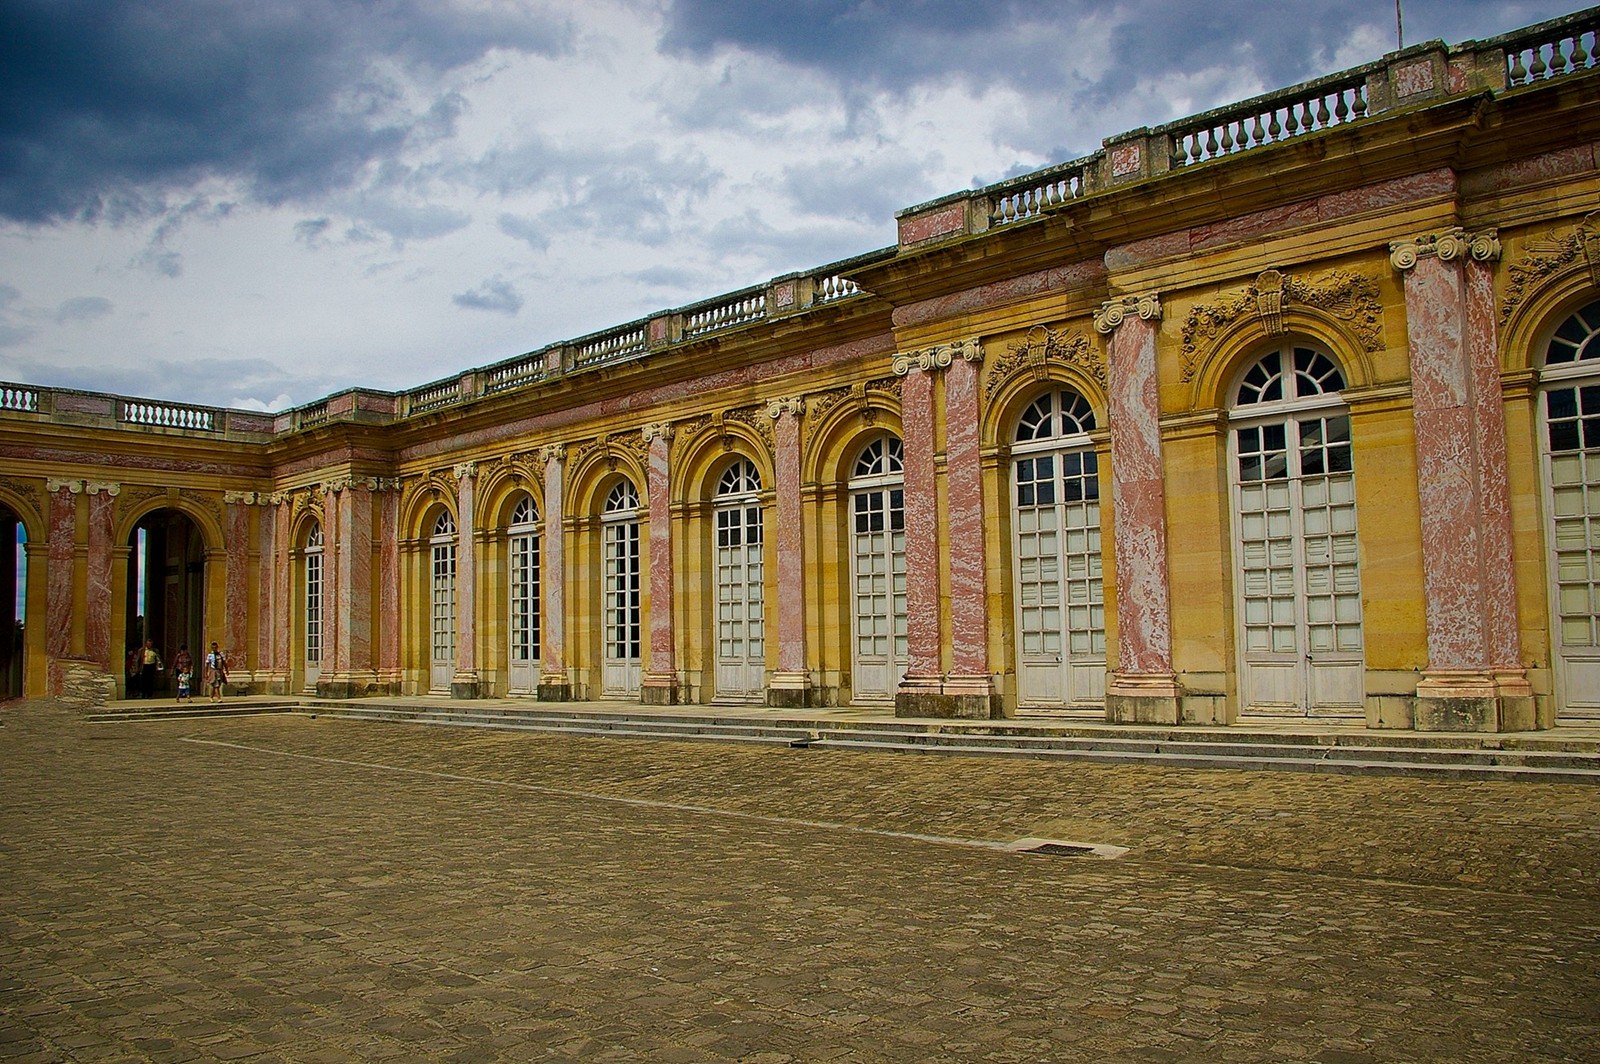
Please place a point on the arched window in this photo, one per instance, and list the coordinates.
(1058, 584)
(878, 568)
(442, 546)
(1570, 383)
(522, 596)
(741, 647)
(623, 625)
(1295, 545)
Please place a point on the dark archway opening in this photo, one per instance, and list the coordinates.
(166, 595)
(13, 603)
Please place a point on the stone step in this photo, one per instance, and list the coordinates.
(1202, 750)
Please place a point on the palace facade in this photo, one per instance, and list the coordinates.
(1280, 410)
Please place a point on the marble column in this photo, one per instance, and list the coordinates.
(921, 692)
(1474, 680)
(236, 598)
(59, 605)
(97, 586)
(1143, 688)
(554, 684)
(465, 683)
(790, 686)
(660, 682)
(389, 672)
(969, 684)
(281, 604)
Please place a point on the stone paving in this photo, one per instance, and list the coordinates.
(292, 889)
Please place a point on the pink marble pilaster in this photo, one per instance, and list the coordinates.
(466, 574)
(58, 579)
(662, 670)
(389, 586)
(267, 550)
(97, 589)
(1474, 680)
(969, 607)
(922, 529)
(282, 518)
(553, 576)
(1138, 500)
(790, 543)
(236, 620)
(334, 653)
(355, 577)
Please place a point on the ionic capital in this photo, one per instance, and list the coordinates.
(110, 487)
(53, 485)
(1113, 312)
(939, 356)
(661, 430)
(794, 407)
(1445, 245)
(554, 452)
(466, 470)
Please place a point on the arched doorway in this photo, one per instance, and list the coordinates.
(166, 587)
(1061, 614)
(311, 598)
(442, 604)
(1296, 569)
(522, 597)
(741, 623)
(878, 569)
(13, 603)
(1570, 452)
(623, 629)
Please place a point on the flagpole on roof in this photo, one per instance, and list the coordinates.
(1399, 28)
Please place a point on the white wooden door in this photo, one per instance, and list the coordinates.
(313, 607)
(442, 652)
(523, 597)
(623, 624)
(1572, 507)
(741, 644)
(878, 572)
(1060, 605)
(1298, 579)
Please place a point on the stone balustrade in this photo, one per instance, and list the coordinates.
(1269, 119)
(168, 415)
(1550, 50)
(725, 312)
(19, 397)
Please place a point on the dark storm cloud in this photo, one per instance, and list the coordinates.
(1036, 47)
(105, 108)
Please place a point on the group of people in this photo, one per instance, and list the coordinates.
(144, 662)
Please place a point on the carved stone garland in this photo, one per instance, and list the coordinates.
(1350, 297)
(1041, 346)
(1549, 254)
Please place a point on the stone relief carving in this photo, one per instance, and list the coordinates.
(1350, 297)
(26, 492)
(612, 447)
(1041, 346)
(1548, 254)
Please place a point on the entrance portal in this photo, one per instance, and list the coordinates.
(166, 590)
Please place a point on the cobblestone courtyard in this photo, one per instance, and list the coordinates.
(291, 889)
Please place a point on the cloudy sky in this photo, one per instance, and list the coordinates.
(256, 203)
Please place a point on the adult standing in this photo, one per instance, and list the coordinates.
(216, 672)
(149, 662)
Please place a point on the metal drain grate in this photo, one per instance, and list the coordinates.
(1067, 848)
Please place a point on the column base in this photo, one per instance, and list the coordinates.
(268, 682)
(1471, 701)
(789, 690)
(553, 690)
(347, 685)
(1144, 699)
(949, 698)
(466, 685)
(660, 689)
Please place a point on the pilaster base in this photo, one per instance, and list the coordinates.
(1451, 700)
(554, 691)
(466, 685)
(347, 685)
(271, 682)
(660, 689)
(789, 690)
(952, 698)
(1144, 699)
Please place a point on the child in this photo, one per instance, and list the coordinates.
(183, 686)
(183, 665)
